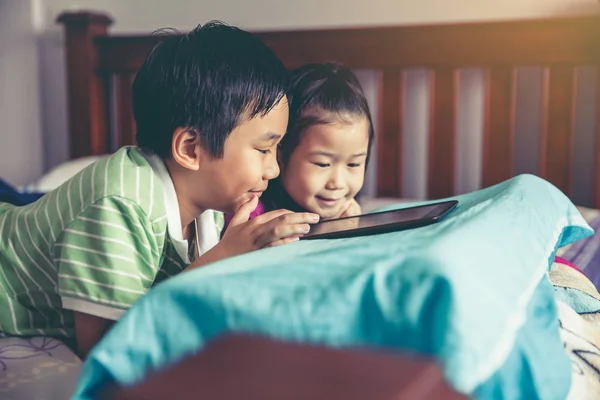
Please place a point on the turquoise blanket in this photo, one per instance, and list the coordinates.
(472, 291)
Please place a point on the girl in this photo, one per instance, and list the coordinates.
(324, 154)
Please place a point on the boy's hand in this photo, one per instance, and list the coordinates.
(270, 229)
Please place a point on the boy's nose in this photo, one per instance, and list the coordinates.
(272, 170)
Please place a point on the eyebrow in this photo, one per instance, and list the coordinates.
(328, 154)
(270, 136)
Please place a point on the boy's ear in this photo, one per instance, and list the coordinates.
(186, 148)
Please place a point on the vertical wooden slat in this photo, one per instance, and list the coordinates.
(442, 133)
(499, 125)
(88, 116)
(390, 133)
(558, 126)
(124, 122)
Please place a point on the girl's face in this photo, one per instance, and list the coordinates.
(327, 168)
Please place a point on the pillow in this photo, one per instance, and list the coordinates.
(60, 174)
(471, 291)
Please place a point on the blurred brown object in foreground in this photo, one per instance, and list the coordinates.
(250, 368)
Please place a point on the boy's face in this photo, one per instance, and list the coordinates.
(249, 161)
(327, 169)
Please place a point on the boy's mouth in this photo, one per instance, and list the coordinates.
(257, 192)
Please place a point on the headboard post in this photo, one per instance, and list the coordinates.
(87, 90)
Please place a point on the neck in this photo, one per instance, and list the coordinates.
(276, 197)
(188, 211)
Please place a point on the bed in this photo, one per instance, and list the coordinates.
(101, 66)
(551, 144)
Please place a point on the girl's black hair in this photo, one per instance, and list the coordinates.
(319, 94)
(322, 94)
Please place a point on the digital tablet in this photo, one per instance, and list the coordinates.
(381, 222)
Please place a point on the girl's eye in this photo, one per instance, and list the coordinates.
(321, 165)
(267, 151)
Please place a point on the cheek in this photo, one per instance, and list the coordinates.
(299, 181)
(243, 172)
(356, 181)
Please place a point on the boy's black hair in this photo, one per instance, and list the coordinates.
(322, 94)
(209, 80)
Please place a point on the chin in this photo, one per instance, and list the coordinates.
(323, 214)
(326, 215)
(237, 203)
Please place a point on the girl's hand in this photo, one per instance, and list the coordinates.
(351, 209)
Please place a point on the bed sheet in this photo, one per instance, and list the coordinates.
(579, 314)
(37, 368)
(585, 254)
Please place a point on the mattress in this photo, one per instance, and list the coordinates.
(37, 368)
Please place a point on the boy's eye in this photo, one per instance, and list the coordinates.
(354, 165)
(321, 165)
(267, 151)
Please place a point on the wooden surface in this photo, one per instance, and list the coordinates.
(442, 133)
(498, 125)
(557, 44)
(390, 134)
(558, 126)
(87, 89)
(259, 369)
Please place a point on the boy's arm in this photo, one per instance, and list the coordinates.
(89, 329)
(107, 258)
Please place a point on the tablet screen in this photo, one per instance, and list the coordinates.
(395, 217)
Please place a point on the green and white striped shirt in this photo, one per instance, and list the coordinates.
(95, 245)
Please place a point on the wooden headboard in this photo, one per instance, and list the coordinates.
(101, 68)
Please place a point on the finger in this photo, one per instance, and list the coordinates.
(285, 225)
(243, 212)
(283, 241)
(288, 216)
(353, 210)
(268, 216)
(270, 234)
(291, 218)
(343, 211)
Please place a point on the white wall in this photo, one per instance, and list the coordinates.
(147, 15)
(21, 155)
(135, 16)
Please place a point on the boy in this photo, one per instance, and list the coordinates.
(210, 109)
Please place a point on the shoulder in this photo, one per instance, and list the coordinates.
(125, 176)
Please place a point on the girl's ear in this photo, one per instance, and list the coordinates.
(186, 148)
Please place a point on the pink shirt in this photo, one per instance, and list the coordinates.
(260, 209)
